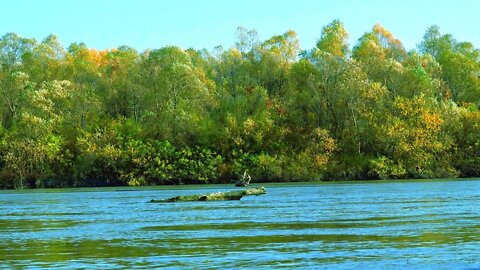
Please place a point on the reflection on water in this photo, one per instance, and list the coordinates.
(379, 225)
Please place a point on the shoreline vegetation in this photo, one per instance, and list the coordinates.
(76, 116)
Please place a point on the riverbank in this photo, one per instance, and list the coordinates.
(226, 186)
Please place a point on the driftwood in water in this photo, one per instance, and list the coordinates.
(217, 196)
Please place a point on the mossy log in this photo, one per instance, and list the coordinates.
(217, 196)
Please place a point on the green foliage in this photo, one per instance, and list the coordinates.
(333, 39)
(467, 128)
(386, 168)
(413, 140)
(86, 117)
(160, 162)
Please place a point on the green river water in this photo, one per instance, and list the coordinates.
(346, 225)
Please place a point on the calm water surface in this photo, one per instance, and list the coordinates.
(374, 225)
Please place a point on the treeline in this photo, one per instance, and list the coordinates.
(83, 117)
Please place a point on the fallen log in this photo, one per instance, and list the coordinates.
(217, 196)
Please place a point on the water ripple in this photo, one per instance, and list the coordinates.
(381, 225)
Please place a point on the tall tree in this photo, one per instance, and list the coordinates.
(46, 60)
(12, 49)
(460, 63)
(178, 93)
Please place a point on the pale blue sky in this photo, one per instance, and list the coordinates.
(201, 24)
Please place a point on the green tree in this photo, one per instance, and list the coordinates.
(333, 40)
(12, 50)
(45, 62)
(177, 92)
(15, 88)
(413, 142)
(125, 94)
(460, 63)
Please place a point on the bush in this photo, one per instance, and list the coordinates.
(386, 168)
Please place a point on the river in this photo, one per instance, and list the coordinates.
(344, 225)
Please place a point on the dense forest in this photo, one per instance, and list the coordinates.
(85, 117)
